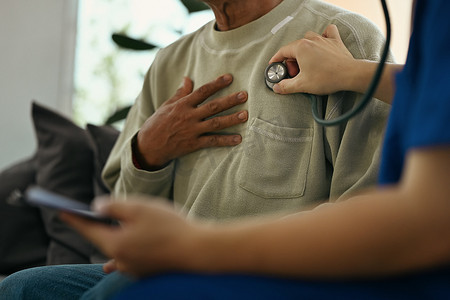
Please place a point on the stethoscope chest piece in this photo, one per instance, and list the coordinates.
(274, 73)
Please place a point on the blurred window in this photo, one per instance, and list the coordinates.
(108, 77)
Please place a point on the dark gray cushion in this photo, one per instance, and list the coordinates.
(23, 240)
(64, 165)
(102, 139)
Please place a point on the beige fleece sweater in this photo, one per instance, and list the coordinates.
(286, 161)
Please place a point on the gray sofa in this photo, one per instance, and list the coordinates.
(68, 160)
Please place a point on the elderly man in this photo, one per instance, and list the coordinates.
(279, 159)
(231, 147)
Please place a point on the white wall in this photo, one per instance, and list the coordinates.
(37, 45)
(400, 15)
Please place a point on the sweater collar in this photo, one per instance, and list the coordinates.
(260, 29)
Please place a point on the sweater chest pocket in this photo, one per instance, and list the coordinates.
(275, 161)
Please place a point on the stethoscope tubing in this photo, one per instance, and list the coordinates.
(370, 90)
(277, 71)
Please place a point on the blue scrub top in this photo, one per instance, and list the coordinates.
(420, 114)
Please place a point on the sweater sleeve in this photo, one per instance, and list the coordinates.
(354, 147)
(119, 173)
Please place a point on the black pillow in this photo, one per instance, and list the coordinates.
(64, 165)
(23, 240)
(102, 139)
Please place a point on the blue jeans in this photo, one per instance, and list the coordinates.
(425, 285)
(62, 282)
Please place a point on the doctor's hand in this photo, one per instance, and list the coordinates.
(319, 64)
(184, 124)
(151, 237)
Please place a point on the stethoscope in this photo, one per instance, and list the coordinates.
(277, 71)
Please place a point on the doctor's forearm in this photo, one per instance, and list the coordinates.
(342, 240)
(361, 76)
(389, 231)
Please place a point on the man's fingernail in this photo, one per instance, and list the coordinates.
(237, 139)
(227, 78)
(241, 96)
(183, 83)
(242, 116)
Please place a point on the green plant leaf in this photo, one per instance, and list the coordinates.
(194, 5)
(127, 42)
(119, 115)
